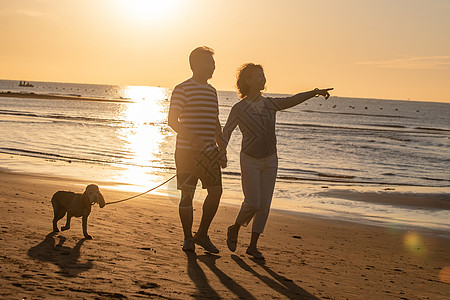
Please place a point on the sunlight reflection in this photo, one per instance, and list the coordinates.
(147, 108)
(143, 137)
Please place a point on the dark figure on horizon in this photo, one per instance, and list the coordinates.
(256, 117)
(193, 114)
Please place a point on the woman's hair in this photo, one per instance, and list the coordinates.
(244, 72)
(197, 54)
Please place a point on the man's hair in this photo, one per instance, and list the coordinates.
(244, 72)
(197, 54)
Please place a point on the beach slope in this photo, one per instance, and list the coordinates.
(136, 253)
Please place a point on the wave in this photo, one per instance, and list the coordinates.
(115, 159)
(356, 128)
(386, 125)
(394, 138)
(321, 126)
(434, 179)
(58, 116)
(335, 176)
(62, 96)
(78, 119)
(17, 113)
(348, 179)
(432, 129)
(439, 201)
(118, 160)
(355, 114)
(122, 122)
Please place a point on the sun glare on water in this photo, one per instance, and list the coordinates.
(146, 10)
(143, 139)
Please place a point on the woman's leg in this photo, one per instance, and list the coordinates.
(267, 184)
(254, 241)
(250, 178)
(252, 248)
(250, 173)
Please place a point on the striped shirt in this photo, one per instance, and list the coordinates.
(199, 111)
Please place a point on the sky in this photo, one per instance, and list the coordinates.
(381, 49)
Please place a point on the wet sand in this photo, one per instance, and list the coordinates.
(136, 253)
(439, 201)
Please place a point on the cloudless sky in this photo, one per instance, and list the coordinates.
(391, 49)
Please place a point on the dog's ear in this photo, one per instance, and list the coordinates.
(85, 193)
(101, 200)
(85, 196)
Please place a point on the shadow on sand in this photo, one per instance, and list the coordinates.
(65, 258)
(210, 261)
(278, 283)
(198, 277)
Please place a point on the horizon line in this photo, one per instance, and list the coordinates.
(278, 93)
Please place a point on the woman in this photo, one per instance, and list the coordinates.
(256, 115)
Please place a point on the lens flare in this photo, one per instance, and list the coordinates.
(444, 275)
(414, 244)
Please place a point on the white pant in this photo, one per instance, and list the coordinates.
(258, 176)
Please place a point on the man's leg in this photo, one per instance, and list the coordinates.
(209, 211)
(210, 207)
(186, 212)
(212, 180)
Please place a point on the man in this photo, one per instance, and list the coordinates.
(193, 114)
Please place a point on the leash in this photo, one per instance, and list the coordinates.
(135, 196)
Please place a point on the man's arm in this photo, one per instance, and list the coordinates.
(218, 137)
(175, 124)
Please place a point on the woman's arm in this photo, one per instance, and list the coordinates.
(218, 137)
(284, 103)
(220, 143)
(230, 125)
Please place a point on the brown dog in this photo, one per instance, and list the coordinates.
(75, 205)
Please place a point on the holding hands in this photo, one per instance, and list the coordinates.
(223, 161)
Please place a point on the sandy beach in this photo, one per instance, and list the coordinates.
(136, 253)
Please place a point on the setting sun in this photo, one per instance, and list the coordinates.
(146, 10)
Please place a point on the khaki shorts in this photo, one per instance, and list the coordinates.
(193, 165)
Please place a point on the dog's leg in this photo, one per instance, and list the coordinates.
(84, 222)
(58, 214)
(67, 226)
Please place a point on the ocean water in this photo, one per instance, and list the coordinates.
(369, 160)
